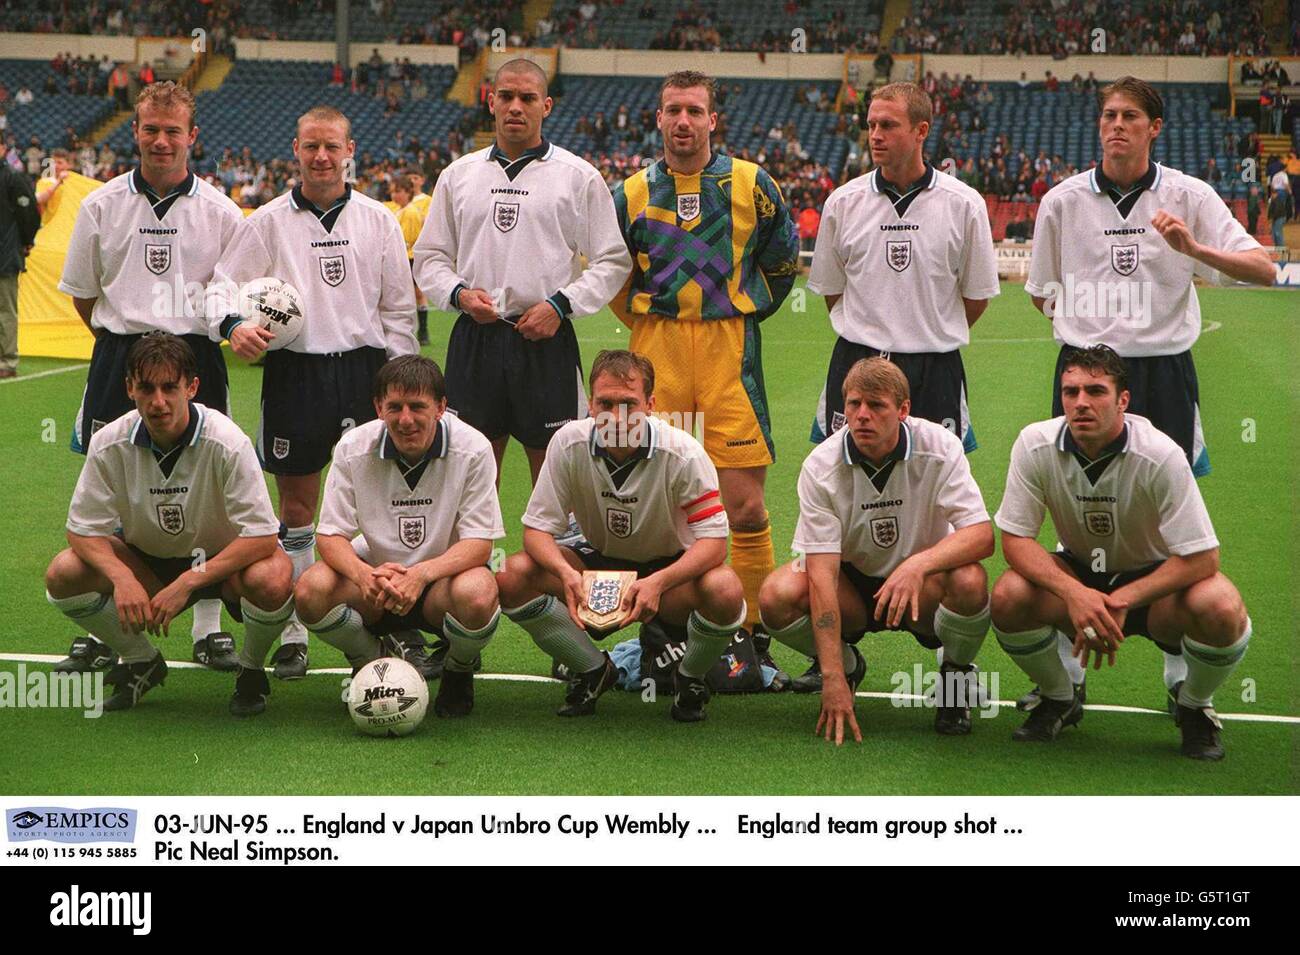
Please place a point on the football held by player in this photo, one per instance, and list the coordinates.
(344, 253)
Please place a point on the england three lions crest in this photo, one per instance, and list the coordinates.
(619, 522)
(333, 269)
(505, 215)
(884, 531)
(171, 518)
(1099, 523)
(1124, 258)
(899, 254)
(688, 206)
(157, 258)
(411, 530)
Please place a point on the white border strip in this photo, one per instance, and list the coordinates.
(533, 678)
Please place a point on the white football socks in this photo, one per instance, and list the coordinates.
(799, 636)
(464, 645)
(706, 641)
(961, 636)
(1037, 653)
(342, 628)
(207, 618)
(261, 629)
(98, 613)
(299, 543)
(1208, 667)
(547, 621)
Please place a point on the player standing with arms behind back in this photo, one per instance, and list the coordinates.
(714, 253)
(501, 245)
(139, 243)
(344, 253)
(905, 259)
(1115, 250)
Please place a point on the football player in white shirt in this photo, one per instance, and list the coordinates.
(1114, 253)
(646, 497)
(406, 532)
(182, 483)
(501, 245)
(1140, 555)
(892, 529)
(344, 253)
(141, 244)
(906, 262)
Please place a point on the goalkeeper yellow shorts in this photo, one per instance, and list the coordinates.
(709, 381)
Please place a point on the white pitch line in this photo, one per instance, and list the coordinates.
(533, 678)
(43, 374)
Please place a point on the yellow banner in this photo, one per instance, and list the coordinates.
(47, 323)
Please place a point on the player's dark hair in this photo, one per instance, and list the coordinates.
(623, 365)
(1140, 91)
(161, 351)
(523, 66)
(689, 79)
(410, 374)
(1097, 359)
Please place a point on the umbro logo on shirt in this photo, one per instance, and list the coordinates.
(901, 227)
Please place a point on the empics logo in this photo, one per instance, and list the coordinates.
(76, 908)
(59, 824)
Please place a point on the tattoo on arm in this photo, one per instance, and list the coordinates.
(825, 621)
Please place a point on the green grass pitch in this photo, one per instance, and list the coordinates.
(182, 741)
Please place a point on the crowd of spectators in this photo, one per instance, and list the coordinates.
(1061, 28)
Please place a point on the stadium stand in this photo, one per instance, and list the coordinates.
(259, 101)
(371, 21)
(829, 26)
(50, 117)
(1064, 27)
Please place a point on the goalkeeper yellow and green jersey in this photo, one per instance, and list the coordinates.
(716, 244)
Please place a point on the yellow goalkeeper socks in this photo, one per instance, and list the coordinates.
(752, 559)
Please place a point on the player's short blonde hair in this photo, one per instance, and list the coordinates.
(324, 114)
(877, 376)
(623, 364)
(166, 96)
(919, 108)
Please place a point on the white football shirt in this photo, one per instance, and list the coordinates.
(1116, 280)
(411, 514)
(875, 518)
(145, 259)
(667, 499)
(1143, 507)
(347, 262)
(520, 228)
(903, 260)
(190, 502)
